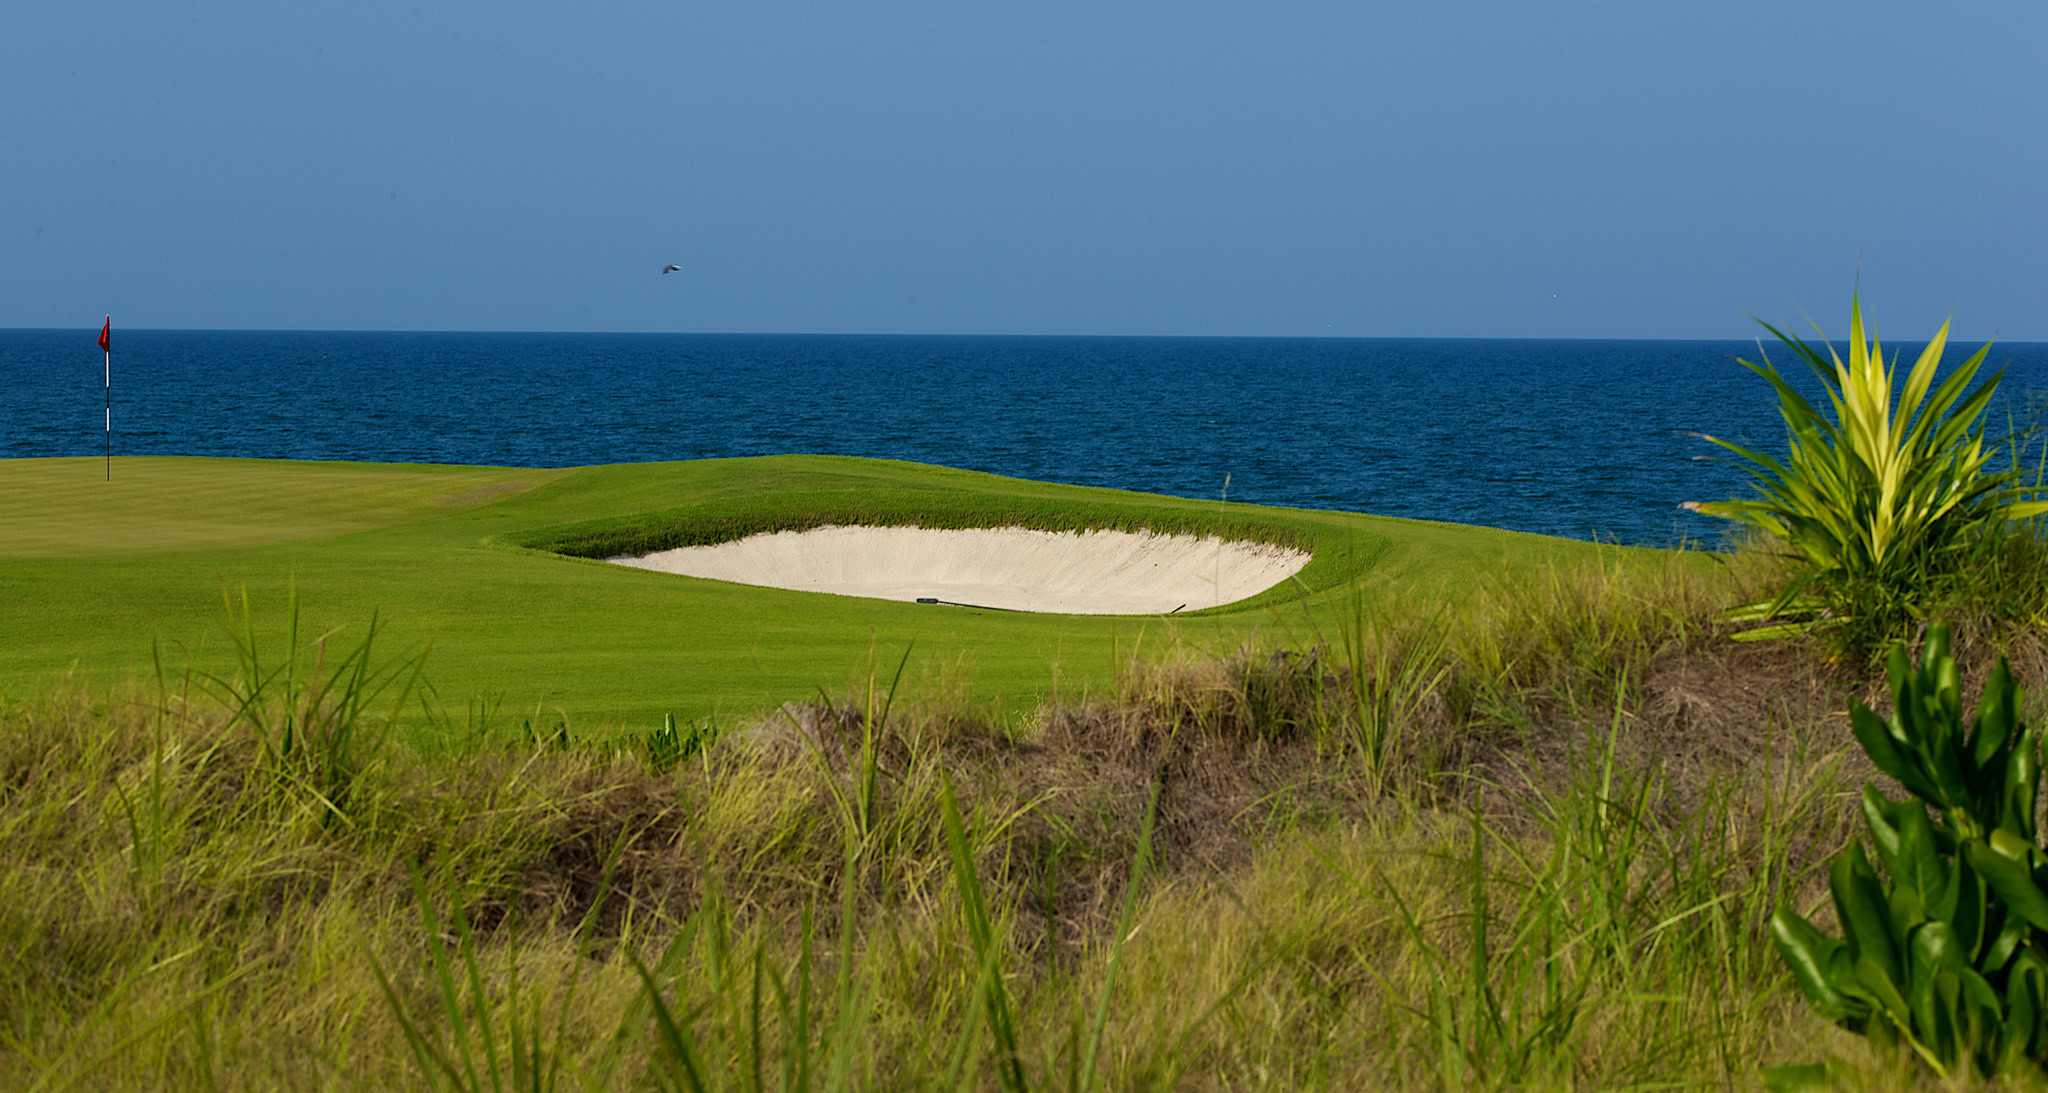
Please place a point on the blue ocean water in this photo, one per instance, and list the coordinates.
(1588, 439)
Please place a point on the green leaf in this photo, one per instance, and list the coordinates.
(1932, 1004)
(1986, 1022)
(2005, 866)
(1919, 868)
(1876, 738)
(1966, 911)
(1773, 633)
(1878, 813)
(1997, 715)
(1936, 987)
(2022, 783)
(1881, 986)
(2012, 930)
(2026, 1003)
(1808, 953)
(2003, 748)
(1860, 903)
(1907, 907)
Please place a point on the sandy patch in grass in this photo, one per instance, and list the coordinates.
(1075, 573)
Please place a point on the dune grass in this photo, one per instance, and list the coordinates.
(90, 575)
(1534, 850)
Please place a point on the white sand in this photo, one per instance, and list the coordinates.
(1076, 573)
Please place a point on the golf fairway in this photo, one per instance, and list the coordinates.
(100, 581)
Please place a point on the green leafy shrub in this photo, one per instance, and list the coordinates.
(1948, 954)
(1878, 502)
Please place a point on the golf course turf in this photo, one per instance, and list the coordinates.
(498, 568)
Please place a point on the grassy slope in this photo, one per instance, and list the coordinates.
(184, 912)
(91, 572)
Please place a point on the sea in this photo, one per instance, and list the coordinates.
(1595, 440)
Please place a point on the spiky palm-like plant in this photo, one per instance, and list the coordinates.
(1877, 502)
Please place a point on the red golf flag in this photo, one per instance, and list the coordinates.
(106, 336)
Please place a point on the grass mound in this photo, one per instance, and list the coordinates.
(728, 519)
(470, 558)
(1538, 849)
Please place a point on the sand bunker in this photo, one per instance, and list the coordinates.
(1076, 573)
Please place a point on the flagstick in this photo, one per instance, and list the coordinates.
(108, 374)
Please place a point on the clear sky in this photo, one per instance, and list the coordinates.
(1639, 168)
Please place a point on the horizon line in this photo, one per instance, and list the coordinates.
(925, 334)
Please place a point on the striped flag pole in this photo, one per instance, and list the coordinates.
(107, 375)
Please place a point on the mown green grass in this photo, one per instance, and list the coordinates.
(60, 508)
(94, 575)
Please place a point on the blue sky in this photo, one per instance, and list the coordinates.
(1446, 169)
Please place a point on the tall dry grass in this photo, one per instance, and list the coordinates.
(1534, 849)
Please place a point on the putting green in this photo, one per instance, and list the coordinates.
(93, 574)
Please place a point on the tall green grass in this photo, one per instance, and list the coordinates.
(1518, 854)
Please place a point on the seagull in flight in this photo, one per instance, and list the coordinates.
(671, 269)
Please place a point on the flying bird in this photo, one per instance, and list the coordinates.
(671, 269)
